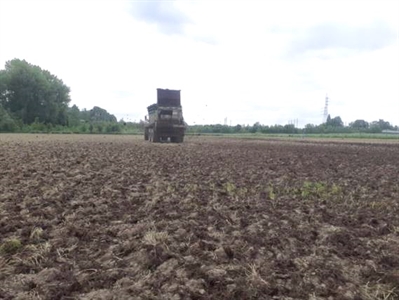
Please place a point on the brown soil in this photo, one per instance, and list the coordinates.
(115, 217)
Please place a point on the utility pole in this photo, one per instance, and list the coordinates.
(325, 114)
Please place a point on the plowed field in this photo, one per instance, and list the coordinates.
(115, 217)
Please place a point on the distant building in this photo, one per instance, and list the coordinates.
(390, 131)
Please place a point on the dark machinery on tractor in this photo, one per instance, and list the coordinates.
(165, 118)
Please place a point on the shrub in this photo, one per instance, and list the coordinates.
(10, 246)
(7, 123)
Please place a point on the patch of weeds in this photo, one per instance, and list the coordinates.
(149, 188)
(271, 193)
(36, 234)
(230, 188)
(242, 192)
(35, 255)
(306, 189)
(10, 246)
(254, 276)
(319, 190)
(170, 189)
(379, 291)
(5, 268)
(154, 238)
(190, 188)
(336, 190)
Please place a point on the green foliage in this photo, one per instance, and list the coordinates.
(37, 126)
(7, 123)
(230, 188)
(83, 128)
(255, 129)
(129, 127)
(112, 127)
(99, 128)
(10, 246)
(74, 116)
(332, 126)
(359, 124)
(319, 190)
(99, 120)
(378, 126)
(272, 194)
(334, 122)
(34, 100)
(28, 92)
(286, 130)
(98, 114)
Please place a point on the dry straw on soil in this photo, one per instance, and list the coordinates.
(114, 217)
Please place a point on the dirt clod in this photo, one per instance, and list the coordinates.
(83, 217)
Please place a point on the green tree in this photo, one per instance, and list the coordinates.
(97, 114)
(28, 92)
(99, 127)
(334, 122)
(74, 116)
(255, 128)
(384, 124)
(290, 128)
(359, 124)
(310, 128)
(237, 128)
(7, 123)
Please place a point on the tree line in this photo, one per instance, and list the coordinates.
(332, 125)
(33, 99)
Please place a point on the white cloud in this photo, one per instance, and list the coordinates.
(164, 14)
(266, 61)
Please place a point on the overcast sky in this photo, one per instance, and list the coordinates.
(247, 61)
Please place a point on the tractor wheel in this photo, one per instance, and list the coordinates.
(177, 139)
